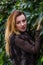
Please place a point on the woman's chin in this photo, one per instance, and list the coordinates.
(23, 30)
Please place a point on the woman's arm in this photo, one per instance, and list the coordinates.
(26, 46)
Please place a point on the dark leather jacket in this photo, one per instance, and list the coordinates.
(23, 51)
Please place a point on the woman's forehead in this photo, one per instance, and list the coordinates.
(20, 17)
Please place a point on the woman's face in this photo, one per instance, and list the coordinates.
(21, 23)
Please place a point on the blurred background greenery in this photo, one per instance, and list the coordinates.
(34, 12)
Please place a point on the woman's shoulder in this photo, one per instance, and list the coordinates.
(12, 36)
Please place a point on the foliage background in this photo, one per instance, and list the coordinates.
(34, 12)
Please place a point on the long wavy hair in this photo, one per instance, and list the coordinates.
(11, 28)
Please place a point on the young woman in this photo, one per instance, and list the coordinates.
(19, 44)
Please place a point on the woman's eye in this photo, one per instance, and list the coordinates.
(24, 20)
(18, 22)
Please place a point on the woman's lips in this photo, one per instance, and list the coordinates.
(23, 27)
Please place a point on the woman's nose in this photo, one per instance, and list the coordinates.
(22, 23)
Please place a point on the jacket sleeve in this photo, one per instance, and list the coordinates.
(26, 46)
(12, 50)
(11, 47)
